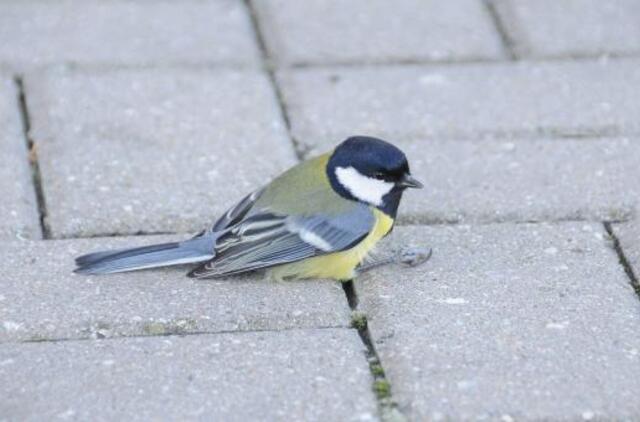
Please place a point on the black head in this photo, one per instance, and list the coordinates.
(370, 170)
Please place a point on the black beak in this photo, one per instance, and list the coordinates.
(408, 181)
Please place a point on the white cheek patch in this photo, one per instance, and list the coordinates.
(364, 188)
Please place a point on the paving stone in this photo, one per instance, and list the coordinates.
(42, 299)
(159, 150)
(508, 322)
(522, 180)
(36, 33)
(582, 98)
(549, 28)
(294, 375)
(321, 31)
(18, 209)
(629, 236)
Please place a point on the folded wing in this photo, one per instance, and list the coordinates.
(266, 239)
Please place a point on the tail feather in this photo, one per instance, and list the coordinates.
(94, 257)
(195, 250)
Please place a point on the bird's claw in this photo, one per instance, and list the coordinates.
(413, 256)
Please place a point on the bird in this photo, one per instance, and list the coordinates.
(319, 219)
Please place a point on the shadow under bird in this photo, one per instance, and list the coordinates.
(319, 219)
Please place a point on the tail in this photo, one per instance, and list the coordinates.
(198, 249)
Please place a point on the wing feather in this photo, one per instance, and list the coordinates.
(266, 239)
(235, 214)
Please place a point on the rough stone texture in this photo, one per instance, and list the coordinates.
(522, 180)
(156, 115)
(42, 299)
(334, 31)
(158, 150)
(551, 28)
(18, 209)
(510, 322)
(294, 375)
(628, 235)
(464, 101)
(36, 33)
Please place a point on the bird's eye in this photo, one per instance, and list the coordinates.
(379, 175)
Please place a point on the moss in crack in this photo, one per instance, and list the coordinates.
(358, 320)
(376, 370)
(32, 158)
(382, 388)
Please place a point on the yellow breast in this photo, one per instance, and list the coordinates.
(338, 265)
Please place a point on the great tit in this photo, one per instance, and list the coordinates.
(318, 219)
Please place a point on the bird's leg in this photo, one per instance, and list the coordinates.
(410, 256)
(375, 263)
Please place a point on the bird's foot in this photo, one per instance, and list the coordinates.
(413, 256)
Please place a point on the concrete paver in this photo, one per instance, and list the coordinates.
(18, 209)
(511, 322)
(569, 28)
(154, 117)
(158, 150)
(42, 299)
(581, 98)
(321, 31)
(522, 180)
(295, 375)
(36, 33)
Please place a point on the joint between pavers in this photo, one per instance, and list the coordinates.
(508, 42)
(175, 333)
(270, 68)
(419, 220)
(542, 133)
(622, 258)
(464, 61)
(578, 56)
(364, 63)
(137, 233)
(106, 67)
(387, 407)
(402, 221)
(36, 175)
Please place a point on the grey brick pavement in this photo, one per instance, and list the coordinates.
(566, 99)
(18, 210)
(541, 179)
(334, 31)
(155, 116)
(37, 33)
(124, 139)
(550, 28)
(311, 375)
(508, 322)
(42, 299)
